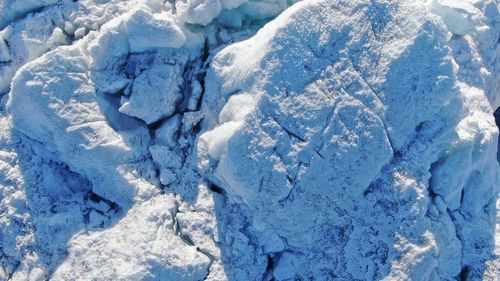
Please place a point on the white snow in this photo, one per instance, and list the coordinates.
(249, 140)
(327, 128)
(230, 119)
(215, 141)
(142, 245)
(237, 108)
(228, 12)
(198, 11)
(461, 17)
(147, 32)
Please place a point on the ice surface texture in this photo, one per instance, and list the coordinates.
(249, 140)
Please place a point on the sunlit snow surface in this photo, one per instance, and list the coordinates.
(249, 140)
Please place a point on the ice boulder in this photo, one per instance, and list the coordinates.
(461, 17)
(147, 31)
(198, 11)
(54, 102)
(334, 125)
(141, 246)
(155, 93)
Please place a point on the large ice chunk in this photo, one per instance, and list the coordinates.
(147, 31)
(142, 245)
(328, 125)
(155, 94)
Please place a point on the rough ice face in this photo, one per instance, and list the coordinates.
(343, 140)
(325, 157)
(228, 12)
(72, 122)
(155, 94)
(133, 251)
(460, 17)
(53, 184)
(147, 32)
(29, 35)
(10, 10)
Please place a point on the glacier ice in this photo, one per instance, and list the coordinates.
(249, 140)
(334, 138)
(155, 94)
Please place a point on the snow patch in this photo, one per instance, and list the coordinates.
(461, 17)
(215, 141)
(147, 32)
(198, 11)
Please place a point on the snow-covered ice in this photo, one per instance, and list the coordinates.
(249, 140)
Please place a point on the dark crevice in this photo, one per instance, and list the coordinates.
(465, 273)
(212, 260)
(186, 87)
(269, 269)
(91, 196)
(373, 186)
(291, 135)
(175, 223)
(215, 188)
(202, 74)
(174, 8)
(196, 129)
(7, 43)
(187, 240)
(290, 197)
(117, 120)
(319, 154)
(432, 172)
(272, 262)
(16, 266)
(462, 196)
(72, 37)
(396, 153)
(156, 124)
(194, 70)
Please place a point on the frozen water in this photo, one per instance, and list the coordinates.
(249, 140)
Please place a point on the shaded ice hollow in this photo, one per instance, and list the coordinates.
(249, 140)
